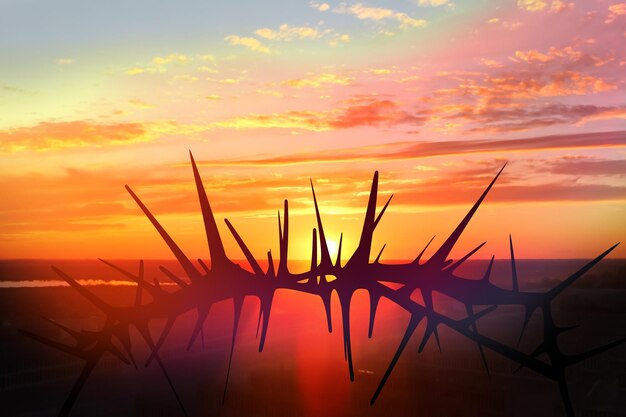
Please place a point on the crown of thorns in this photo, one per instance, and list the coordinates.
(226, 280)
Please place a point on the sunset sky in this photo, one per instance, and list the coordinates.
(436, 95)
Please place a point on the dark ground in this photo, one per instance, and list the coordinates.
(302, 371)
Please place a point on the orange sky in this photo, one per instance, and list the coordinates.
(435, 95)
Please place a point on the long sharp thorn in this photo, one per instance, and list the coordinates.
(118, 354)
(59, 346)
(527, 316)
(338, 263)
(475, 317)
(204, 266)
(284, 240)
(345, 316)
(585, 355)
(244, 248)
(373, 307)
(380, 215)
(572, 278)
(329, 321)
(314, 251)
(465, 258)
(415, 320)
(436, 332)
(216, 247)
(270, 265)
(78, 386)
(238, 304)
(66, 329)
(186, 264)
(567, 401)
(171, 384)
(267, 307)
(442, 253)
(362, 253)
(258, 323)
(83, 291)
(138, 279)
(173, 277)
(166, 331)
(124, 272)
(325, 254)
(419, 257)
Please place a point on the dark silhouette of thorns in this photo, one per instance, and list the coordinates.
(226, 280)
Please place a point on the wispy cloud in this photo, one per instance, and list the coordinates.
(553, 53)
(140, 104)
(379, 14)
(585, 166)
(369, 113)
(535, 116)
(135, 71)
(322, 7)
(526, 84)
(170, 59)
(432, 3)
(615, 11)
(287, 33)
(556, 6)
(491, 63)
(532, 5)
(160, 64)
(251, 43)
(50, 136)
(317, 80)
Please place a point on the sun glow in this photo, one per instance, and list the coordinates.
(333, 247)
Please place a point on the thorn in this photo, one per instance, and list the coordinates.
(338, 262)
(380, 215)
(216, 247)
(488, 271)
(513, 268)
(466, 257)
(190, 270)
(253, 263)
(442, 253)
(380, 253)
(419, 257)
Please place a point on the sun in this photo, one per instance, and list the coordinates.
(333, 247)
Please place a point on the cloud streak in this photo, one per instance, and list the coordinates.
(287, 33)
(379, 14)
(417, 150)
(370, 113)
(58, 135)
(252, 44)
